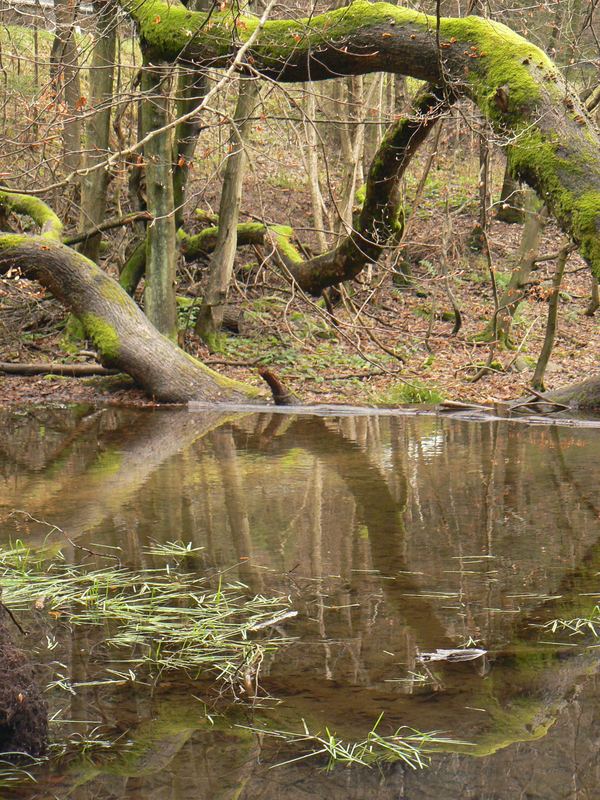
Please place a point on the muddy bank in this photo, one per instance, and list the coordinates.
(23, 711)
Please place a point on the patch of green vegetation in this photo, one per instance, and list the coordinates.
(286, 180)
(187, 312)
(103, 335)
(154, 620)
(413, 393)
(73, 336)
(404, 745)
(578, 625)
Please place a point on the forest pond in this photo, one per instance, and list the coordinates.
(392, 537)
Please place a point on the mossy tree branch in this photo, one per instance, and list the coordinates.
(554, 145)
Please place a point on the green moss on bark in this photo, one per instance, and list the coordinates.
(224, 382)
(37, 210)
(282, 235)
(113, 292)
(10, 240)
(536, 159)
(103, 335)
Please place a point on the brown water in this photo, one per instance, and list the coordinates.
(392, 535)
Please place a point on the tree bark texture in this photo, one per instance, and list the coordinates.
(161, 244)
(64, 71)
(94, 186)
(210, 315)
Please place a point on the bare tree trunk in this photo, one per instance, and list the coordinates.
(510, 208)
(478, 236)
(312, 148)
(594, 303)
(540, 367)
(161, 245)
(354, 141)
(210, 316)
(535, 221)
(94, 186)
(64, 70)
(191, 88)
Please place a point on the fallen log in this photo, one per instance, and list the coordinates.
(69, 370)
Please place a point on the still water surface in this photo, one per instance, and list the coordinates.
(393, 536)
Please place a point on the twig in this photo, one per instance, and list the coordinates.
(115, 222)
(14, 619)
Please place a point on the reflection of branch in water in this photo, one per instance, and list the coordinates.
(377, 510)
(233, 490)
(87, 499)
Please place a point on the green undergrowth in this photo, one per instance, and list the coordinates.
(314, 355)
(413, 392)
(405, 745)
(151, 620)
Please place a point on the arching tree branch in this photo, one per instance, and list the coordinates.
(554, 145)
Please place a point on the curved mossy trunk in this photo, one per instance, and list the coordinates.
(381, 221)
(554, 145)
(378, 225)
(121, 333)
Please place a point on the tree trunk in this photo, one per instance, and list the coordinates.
(122, 334)
(528, 251)
(210, 315)
(161, 245)
(94, 186)
(380, 222)
(540, 367)
(312, 157)
(64, 70)
(191, 88)
(510, 208)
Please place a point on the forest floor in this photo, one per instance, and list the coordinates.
(386, 346)
(349, 360)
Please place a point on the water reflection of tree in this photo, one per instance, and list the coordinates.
(402, 488)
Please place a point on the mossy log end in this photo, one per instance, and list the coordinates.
(584, 396)
(555, 147)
